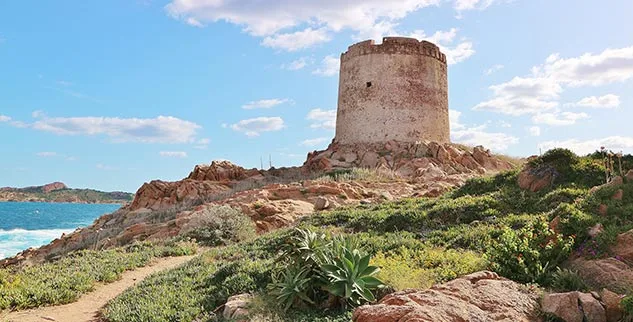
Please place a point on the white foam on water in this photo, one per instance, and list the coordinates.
(16, 240)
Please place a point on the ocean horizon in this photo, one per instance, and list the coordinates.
(33, 224)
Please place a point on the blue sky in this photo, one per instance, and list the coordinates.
(112, 94)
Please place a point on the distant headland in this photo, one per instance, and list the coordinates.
(59, 192)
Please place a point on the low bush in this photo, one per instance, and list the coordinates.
(404, 268)
(573, 221)
(530, 254)
(464, 210)
(219, 225)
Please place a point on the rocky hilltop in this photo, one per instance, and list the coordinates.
(59, 192)
(338, 176)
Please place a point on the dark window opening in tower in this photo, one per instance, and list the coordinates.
(368, 84)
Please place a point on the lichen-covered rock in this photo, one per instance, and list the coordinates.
(482, 296)
(537, 178)
(612, 306)
(236, 307)
(563, 305)
(591, 308)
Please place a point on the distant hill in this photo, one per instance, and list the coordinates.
(59, 192)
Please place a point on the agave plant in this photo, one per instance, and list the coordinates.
(351, 278)
(291, 287)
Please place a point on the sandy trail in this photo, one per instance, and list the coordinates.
(88, 306)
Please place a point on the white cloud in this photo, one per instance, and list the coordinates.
(194, 22)
(444, 40)
(104, 167)
(329, 66)
(46, 154)
(265, 18)
(253, 127)
(494, 69)
(314, 142)
(325, 119)
(539, 93)
(297, 64)
(4, 118)
(615, 143)
(610, 66)
(297, 40)
(454, 118)
(265, 103)
(202, 144)
(558, 118)
(162, 129)
(173, 154)
(606, 101)
(38, 114)
(463, 5)
(504, 124)
(516, 106)
(477, 135)
(534, 131)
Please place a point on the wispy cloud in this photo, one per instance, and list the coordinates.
(162, 129)
(297, 40)
(606, 101)
(494, 69)
(265, 103)
(315, 142)
(297, 64)
(329, 66)
(173, 154)
(46, 154)
(477, 135)
(324, 119)
(255, 126)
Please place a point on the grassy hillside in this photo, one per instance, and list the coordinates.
(490, 223)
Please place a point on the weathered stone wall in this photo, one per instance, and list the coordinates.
(394, 91)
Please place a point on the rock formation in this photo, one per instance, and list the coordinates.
(278, 197)
(482, 296)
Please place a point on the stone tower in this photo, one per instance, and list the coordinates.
(394, 91)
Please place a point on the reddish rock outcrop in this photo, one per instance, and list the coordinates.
(482, 296)
(614, 273)
(53, 186)
(537, 178)
(574, 307)
(221, 171)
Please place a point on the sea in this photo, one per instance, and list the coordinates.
(33, 224)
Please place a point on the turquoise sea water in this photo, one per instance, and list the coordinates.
(33, 224)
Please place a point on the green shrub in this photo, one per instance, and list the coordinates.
(562, 195)
(63, 281)
(530, 254)
(464, 210)
(405, 268)
(573, 221)
(219, 225)
(565, 280)
(484, 185)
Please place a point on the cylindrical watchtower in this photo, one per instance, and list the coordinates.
(394, 91)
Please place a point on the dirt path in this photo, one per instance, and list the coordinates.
(88, 305)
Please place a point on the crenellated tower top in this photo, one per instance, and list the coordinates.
(395, 45)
